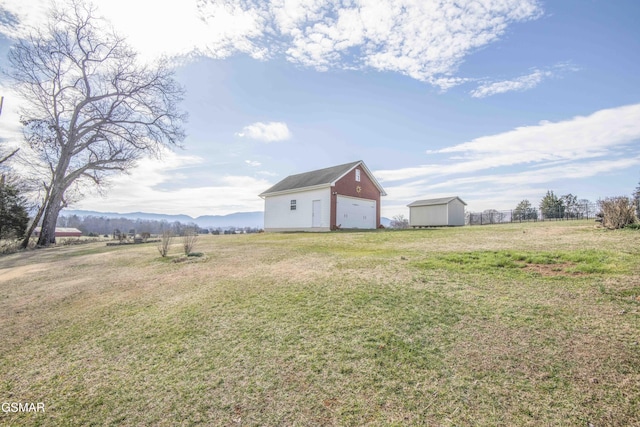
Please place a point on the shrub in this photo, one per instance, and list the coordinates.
(9, 246)
(189, 239)
(165, 242)
(617, 212)
(400, 222)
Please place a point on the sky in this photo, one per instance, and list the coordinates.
(494, 101)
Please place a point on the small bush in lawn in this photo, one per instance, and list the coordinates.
(9, 246)
(617, 212)
(165, 242)
(189, 239)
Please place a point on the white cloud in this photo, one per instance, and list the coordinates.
(267, 132)
(580, 138)
(503, 190)
(252, 163)
(267, 173)
(521, 83)
(518, 84)
(498, 171)
(10, 127)
(151, 182)
(20, 15)
(426, 40)
(534, 176)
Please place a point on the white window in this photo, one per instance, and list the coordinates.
(293, 205)
(357, 175)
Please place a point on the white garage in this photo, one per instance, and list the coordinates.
(355, 213)
(338, 197)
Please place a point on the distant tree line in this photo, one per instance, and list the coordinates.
(565, 207)
(550, 207)
(99, 225)
(613, 212)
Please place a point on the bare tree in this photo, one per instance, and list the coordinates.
(524, 212)
(585, 208)
(165, 242)
(570, 203)
(91, 108)
(399, 221)
(492, 216)
(617, 212)
(636, 200)
(189, 238)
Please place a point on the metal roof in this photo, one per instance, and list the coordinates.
(60, 230)
(432, 202)
(326, 176)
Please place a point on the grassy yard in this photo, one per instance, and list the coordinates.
(524, 324)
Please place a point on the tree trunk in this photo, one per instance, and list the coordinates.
(36, 220)
(54, 200)
(48, 230)
(34, 224)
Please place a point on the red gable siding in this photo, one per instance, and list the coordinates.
(347, 186)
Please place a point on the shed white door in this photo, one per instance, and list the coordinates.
(316, 219)
(355, 213)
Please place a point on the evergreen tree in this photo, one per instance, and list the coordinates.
(525, 212)
(551, 206)
(13, 214)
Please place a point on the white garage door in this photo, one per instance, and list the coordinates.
(355, 213)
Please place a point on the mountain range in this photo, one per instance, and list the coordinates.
(237, 219)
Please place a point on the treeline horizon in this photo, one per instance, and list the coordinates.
(101, 225)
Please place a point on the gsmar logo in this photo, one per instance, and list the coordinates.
(22, 407)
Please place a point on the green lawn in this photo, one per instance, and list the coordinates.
(505, 325)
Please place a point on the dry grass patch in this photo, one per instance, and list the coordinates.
(432, 327)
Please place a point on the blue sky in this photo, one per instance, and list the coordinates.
(492, 101)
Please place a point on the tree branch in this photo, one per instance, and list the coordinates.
(4, 159)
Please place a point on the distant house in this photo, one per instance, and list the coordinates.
(446, 211)
(343, 196)
(61, 232)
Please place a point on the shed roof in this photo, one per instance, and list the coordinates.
(61, 230)
(432, 202)
(319, 177)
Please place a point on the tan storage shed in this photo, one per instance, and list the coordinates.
(442, 212)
